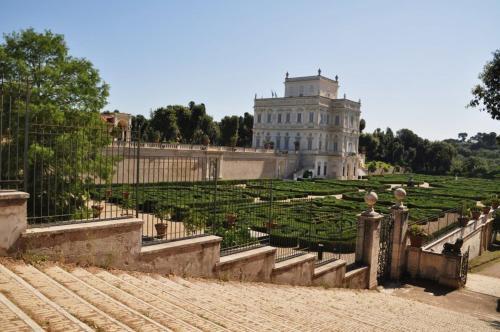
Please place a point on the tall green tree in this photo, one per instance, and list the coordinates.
(486, 96)
(66, 94)
(229, 130)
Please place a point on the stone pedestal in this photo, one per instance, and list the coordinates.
(399, 240)
(13, 220)
(367, 244)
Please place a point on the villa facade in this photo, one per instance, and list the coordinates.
(311, 121)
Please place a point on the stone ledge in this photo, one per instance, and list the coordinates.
(352, 273)
(89, 226)
(13, 195)
(245, 256)
(179, 245)
(291, 263)
(319, 271)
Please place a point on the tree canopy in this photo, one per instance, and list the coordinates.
(486, 96)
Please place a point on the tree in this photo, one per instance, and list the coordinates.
(362, 125)
(66, 94)
(229, 130)
(245, 130)
(487, 95)
(164, 121)
(462, 136)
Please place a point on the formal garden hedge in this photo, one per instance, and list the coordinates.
(302, 213)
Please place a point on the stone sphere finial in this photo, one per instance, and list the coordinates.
(371, 199)
(400, 195)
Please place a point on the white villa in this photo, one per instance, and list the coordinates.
(312, 122)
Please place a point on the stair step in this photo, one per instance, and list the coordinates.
(151, 296)
(13, 319)
(116, 309)
(152, 312)
(71, 302)
(40, 309)
(245, 255)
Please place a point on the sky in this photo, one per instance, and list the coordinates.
(412, 63)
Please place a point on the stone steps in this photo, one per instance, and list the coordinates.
(68, 298)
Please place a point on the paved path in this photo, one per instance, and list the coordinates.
(64, 298)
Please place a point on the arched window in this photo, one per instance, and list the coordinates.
(320, 142)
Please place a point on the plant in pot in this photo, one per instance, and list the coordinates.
(97, 206)
(161, 227)
(486, 206)
(179, 213)
(464, 212)
(271, 223)
(126, 194)
(417, 236)
(494, 202)
(230, 221)
(475, 212)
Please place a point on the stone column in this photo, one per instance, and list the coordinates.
(368, 238)
(13, 220)
(399, 236)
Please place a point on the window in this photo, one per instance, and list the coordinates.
(311, 117)
(328, 119)
(337, 120)
(352, 122)
(279, 117)
(335, 146)
(257, 142)
(259, 118)
(287, 118)
(287, 142)
(268, 117)
(320, 143)
(309, 143)
(318, 172)
(324, 169)
(278, 142)
(326, 144)
(299, 117)
(311, 89)
(301, 90)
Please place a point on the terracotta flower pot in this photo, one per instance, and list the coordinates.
(463, 221)
(271, 224)
(231, 219)
(476, 215)
(161, 230)
(494, 206)
(125, 194)
(109, 192)
(97, 210)
(416, 240)
(486, 210)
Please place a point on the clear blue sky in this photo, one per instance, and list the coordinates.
(412, 63)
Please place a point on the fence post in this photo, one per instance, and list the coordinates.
(26, 138)
(368, 238)
(137, 175)
(400, 215)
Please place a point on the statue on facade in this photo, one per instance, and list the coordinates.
(319, 72)
(336, 78)
(286, 75)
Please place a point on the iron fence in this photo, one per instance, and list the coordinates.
(87, 171)
(439, 224)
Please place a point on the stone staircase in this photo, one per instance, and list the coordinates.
(55, 297)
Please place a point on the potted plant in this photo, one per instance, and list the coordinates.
(180, 213)
(193, 222)
(486, 206)
(109, 192)
(475, 212)
(417, 236)
(271, 223)
(495, 202)
(464, 211)
(97, 210)
(161, 227)
(125, 194)
(231, 218)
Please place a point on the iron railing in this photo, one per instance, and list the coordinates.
(87, 172)
(438, 224)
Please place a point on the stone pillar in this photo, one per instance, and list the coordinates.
(399, 236)
(368, 238)
(13, 220)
